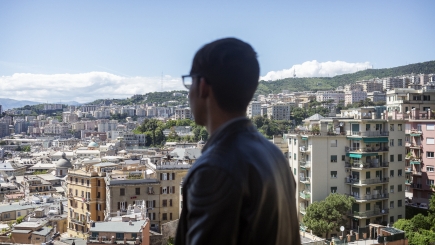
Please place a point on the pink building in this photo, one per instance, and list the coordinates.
(420, 159)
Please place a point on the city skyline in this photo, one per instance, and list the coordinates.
(114, 50)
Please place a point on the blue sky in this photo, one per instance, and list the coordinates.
(135, 42)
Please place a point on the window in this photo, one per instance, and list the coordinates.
(87, 182)
(391, 158)
(77, 192)
(294, 171)
(392, 204)
(399, 157)
(391, 219)
(429, 182)
(119, 236)
(399, 142)
(392, 189)
(98, 194)
(98, 182)
(164, 216)
(343, 157)
(165, 203)
(170, 202)
(399, 188)
(399, 203)
(294, 156)
(399, 216)
(333, 143)
(426, 97)
(333, 174)
(399, 172)
(122, 192)
(430, 141)
(399, 127)
(367, 206)
(333, 158)
(333, 189)
(170, 216)
(294, 141)
(77, 180)
(391, 173)
(391, 142)
(138, 191)
(429, 168)
(163, 190)
(430, 127)
(368, 127)
(391, 127)
(429, 154)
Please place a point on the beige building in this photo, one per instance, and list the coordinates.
(406, 99)
(86, 196)
(357, 155)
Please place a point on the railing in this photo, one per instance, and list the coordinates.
(304, 148)
(352, 181)
(305, 195)
(302, 209)
(368, 133)
(417, 173)
(305, 164)
(367, 214)
(305, 179)
(80, 222)
(417, 186)
(366, 149)
(408, 170)
(408, 182)
(369, 197)
(364, 165)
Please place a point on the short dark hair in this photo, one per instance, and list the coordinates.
(231, 68)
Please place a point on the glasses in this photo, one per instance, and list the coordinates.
(188, 80)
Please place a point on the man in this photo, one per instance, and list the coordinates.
(241, 190)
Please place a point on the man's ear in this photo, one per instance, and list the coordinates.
(204, 88)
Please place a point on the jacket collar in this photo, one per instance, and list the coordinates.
(229, 128)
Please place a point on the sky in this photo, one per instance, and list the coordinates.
(85, 50)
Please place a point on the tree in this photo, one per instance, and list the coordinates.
(328, 215)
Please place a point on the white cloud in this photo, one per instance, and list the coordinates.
(317, 69)
(83, 87)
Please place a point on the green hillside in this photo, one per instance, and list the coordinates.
(325, 83)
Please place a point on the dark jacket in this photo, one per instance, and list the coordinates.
(240, 191)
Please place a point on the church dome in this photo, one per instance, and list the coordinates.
(93, 145)
(63, 162)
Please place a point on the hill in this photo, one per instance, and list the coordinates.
(326, 83)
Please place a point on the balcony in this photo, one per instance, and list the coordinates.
(417, 173)
(408, 182)
(305, 180)
(305, 148)
(303, 209)
(408, 170)
(352, 181)
(364, 198)
(365, 165)
(305, 195)
(368, 133)
(305, 164)
(417, 186)
(366, 149)
(368, 214)
(77, 221)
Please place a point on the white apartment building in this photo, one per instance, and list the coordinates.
(406, 99)
(329, 95)
(358, 156)
(278, 111)
(371, 86)
(351, 97)
(254, 109)
(394, 82)
(354, 86)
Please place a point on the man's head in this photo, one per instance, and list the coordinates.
(230, 67)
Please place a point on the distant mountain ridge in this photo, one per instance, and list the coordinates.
(11, 103)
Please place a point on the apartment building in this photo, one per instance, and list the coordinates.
(254, 109)
(354, 96)
(183, 113)
(356, 155)
(86, 196)
(376, 96)
(390, 83)
(278, 111)
(416, 108)
(353, 87)
(371, 86)
(329, 95)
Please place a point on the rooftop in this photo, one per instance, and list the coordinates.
(118, 227)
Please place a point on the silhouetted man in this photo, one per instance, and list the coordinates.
(241, 190)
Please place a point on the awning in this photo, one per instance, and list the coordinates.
(354, 155)
(415, 134)
(376, 140)
(304, 137)
(356, 139)
(415, 162)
